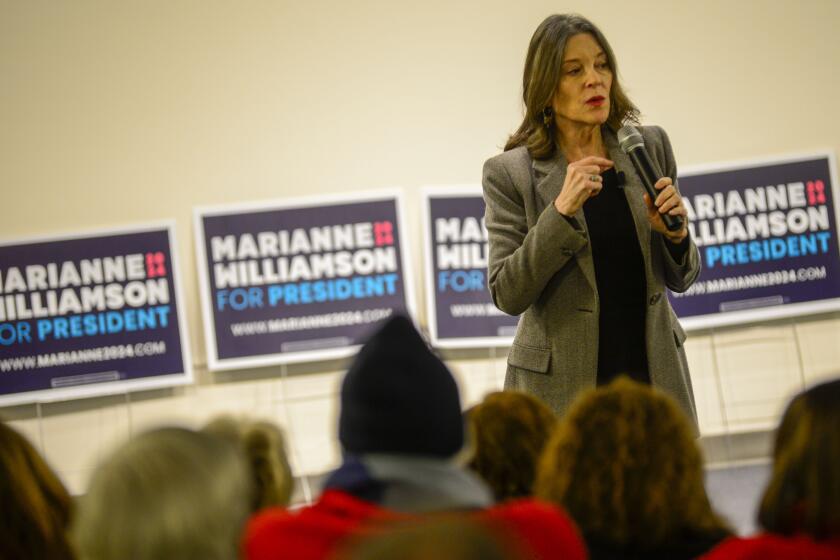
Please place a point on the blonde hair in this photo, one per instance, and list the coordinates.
(803, 494)
(624, 464)
(36, 506)
(168, 493)
(265, 449)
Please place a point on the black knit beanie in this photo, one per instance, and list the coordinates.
(399, 398)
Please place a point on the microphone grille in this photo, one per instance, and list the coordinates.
(629, 137)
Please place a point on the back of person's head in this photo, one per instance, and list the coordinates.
(448, 538)
(36, 508)
(508, 430)
(168, 493)
(624, 464)
(399, 398)
(803, 495)
(265, 448)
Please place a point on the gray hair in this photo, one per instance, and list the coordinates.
(168, 493)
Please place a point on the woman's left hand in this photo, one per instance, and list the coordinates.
(667, 201)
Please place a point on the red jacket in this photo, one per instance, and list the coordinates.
(775, 547)
(316, 531)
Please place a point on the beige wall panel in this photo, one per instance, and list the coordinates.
(704, 379)
(475, 379)
(313, 435)
(246, 398)
(77, 437)
(759, 371)
(819, 341)
(152, 409)
(311, 385)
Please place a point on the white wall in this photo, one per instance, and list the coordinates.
(120, 112)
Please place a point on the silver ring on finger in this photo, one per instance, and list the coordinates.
(594, 178)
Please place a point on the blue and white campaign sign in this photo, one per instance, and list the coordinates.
(767, 235)
(460, 309)
(300, 280)
(91, 314)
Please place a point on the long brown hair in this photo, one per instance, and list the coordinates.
(541, 79)
(36, 506)
(624, 464)
(803, 494)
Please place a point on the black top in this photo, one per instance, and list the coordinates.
(622, 288)
(687, 545)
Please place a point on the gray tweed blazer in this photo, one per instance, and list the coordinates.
(540, 266)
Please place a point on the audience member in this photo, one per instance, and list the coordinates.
(625, 465)
(440, 539)
(265, 448)
(168, 493)
(508, 431)
(400, 426)
(35, 506)
(800, 510)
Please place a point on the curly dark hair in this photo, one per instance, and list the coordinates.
(803, 494)
(508, 431)
(624, 464)
(541, 78)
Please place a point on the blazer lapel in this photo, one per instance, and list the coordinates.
(548, 176)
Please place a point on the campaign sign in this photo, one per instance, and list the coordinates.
(90, 314)
(767, 235)
(460, 309)
(300, 280)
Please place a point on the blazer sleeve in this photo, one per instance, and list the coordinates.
(679, 275)
(522, 260)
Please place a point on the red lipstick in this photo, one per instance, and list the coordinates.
(596, 101)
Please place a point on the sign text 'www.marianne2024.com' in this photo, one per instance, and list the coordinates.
(767, 235)
(300, 280)
(90, 314)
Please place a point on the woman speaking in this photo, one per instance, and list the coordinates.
(576, 245)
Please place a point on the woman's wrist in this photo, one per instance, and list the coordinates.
(563, 209)
(677, 237)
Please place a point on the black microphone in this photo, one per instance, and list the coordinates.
(633, 145)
